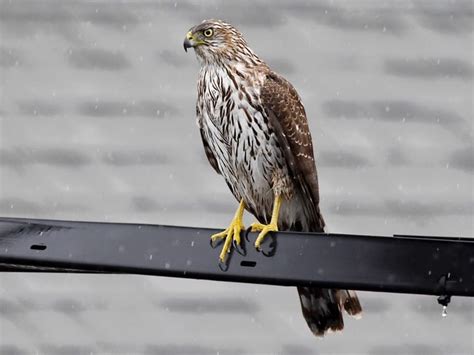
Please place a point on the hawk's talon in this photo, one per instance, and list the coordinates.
(223, 266)
(239, 248)
(254, 227)
(231, 235)
(269, 248)
(215, 243)
(257, 227)
(247, 231)
(264, 230)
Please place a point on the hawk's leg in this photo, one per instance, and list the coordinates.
(232, 233)
(264, 229)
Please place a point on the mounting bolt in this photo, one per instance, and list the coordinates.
(444, 299)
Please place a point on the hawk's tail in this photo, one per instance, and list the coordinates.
(322, 308)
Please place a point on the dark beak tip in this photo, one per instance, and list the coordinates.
(187, 44)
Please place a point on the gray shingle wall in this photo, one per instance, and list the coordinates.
(97, 123)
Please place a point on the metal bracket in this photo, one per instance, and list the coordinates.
(408, 264)
(444, 299)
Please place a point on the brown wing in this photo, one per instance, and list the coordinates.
(288, 117)
(209, 154)
(207, 148)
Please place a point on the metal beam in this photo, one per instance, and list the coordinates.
(408, 264)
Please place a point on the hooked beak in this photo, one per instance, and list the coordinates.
(189, 41)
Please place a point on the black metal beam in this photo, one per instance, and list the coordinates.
(408, 264)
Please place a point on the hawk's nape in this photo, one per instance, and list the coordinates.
(255, 134)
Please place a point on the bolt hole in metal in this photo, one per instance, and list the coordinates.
(248, 263)
(38, 247)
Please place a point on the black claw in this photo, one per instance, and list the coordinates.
(223, 265)
(269, 246)
(269, 253)
(240, 248)
(215, 244)
(247, 231)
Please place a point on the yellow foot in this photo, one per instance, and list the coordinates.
(264, 229)
(232, 233)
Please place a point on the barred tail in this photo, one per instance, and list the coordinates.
(322, 308)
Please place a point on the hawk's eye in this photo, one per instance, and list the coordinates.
(208, 32)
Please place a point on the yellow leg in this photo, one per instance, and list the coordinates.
(264, 229)
(231, 233)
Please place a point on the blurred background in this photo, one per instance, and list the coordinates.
(97, 123)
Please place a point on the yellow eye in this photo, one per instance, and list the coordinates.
(208, 32)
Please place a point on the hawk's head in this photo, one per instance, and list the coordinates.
(216, 41)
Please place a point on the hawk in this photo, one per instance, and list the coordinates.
(255, 134)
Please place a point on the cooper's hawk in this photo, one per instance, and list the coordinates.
(255, 134)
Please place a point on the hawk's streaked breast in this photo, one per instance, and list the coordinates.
(237, 130)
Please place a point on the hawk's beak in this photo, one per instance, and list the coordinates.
(189, 41)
